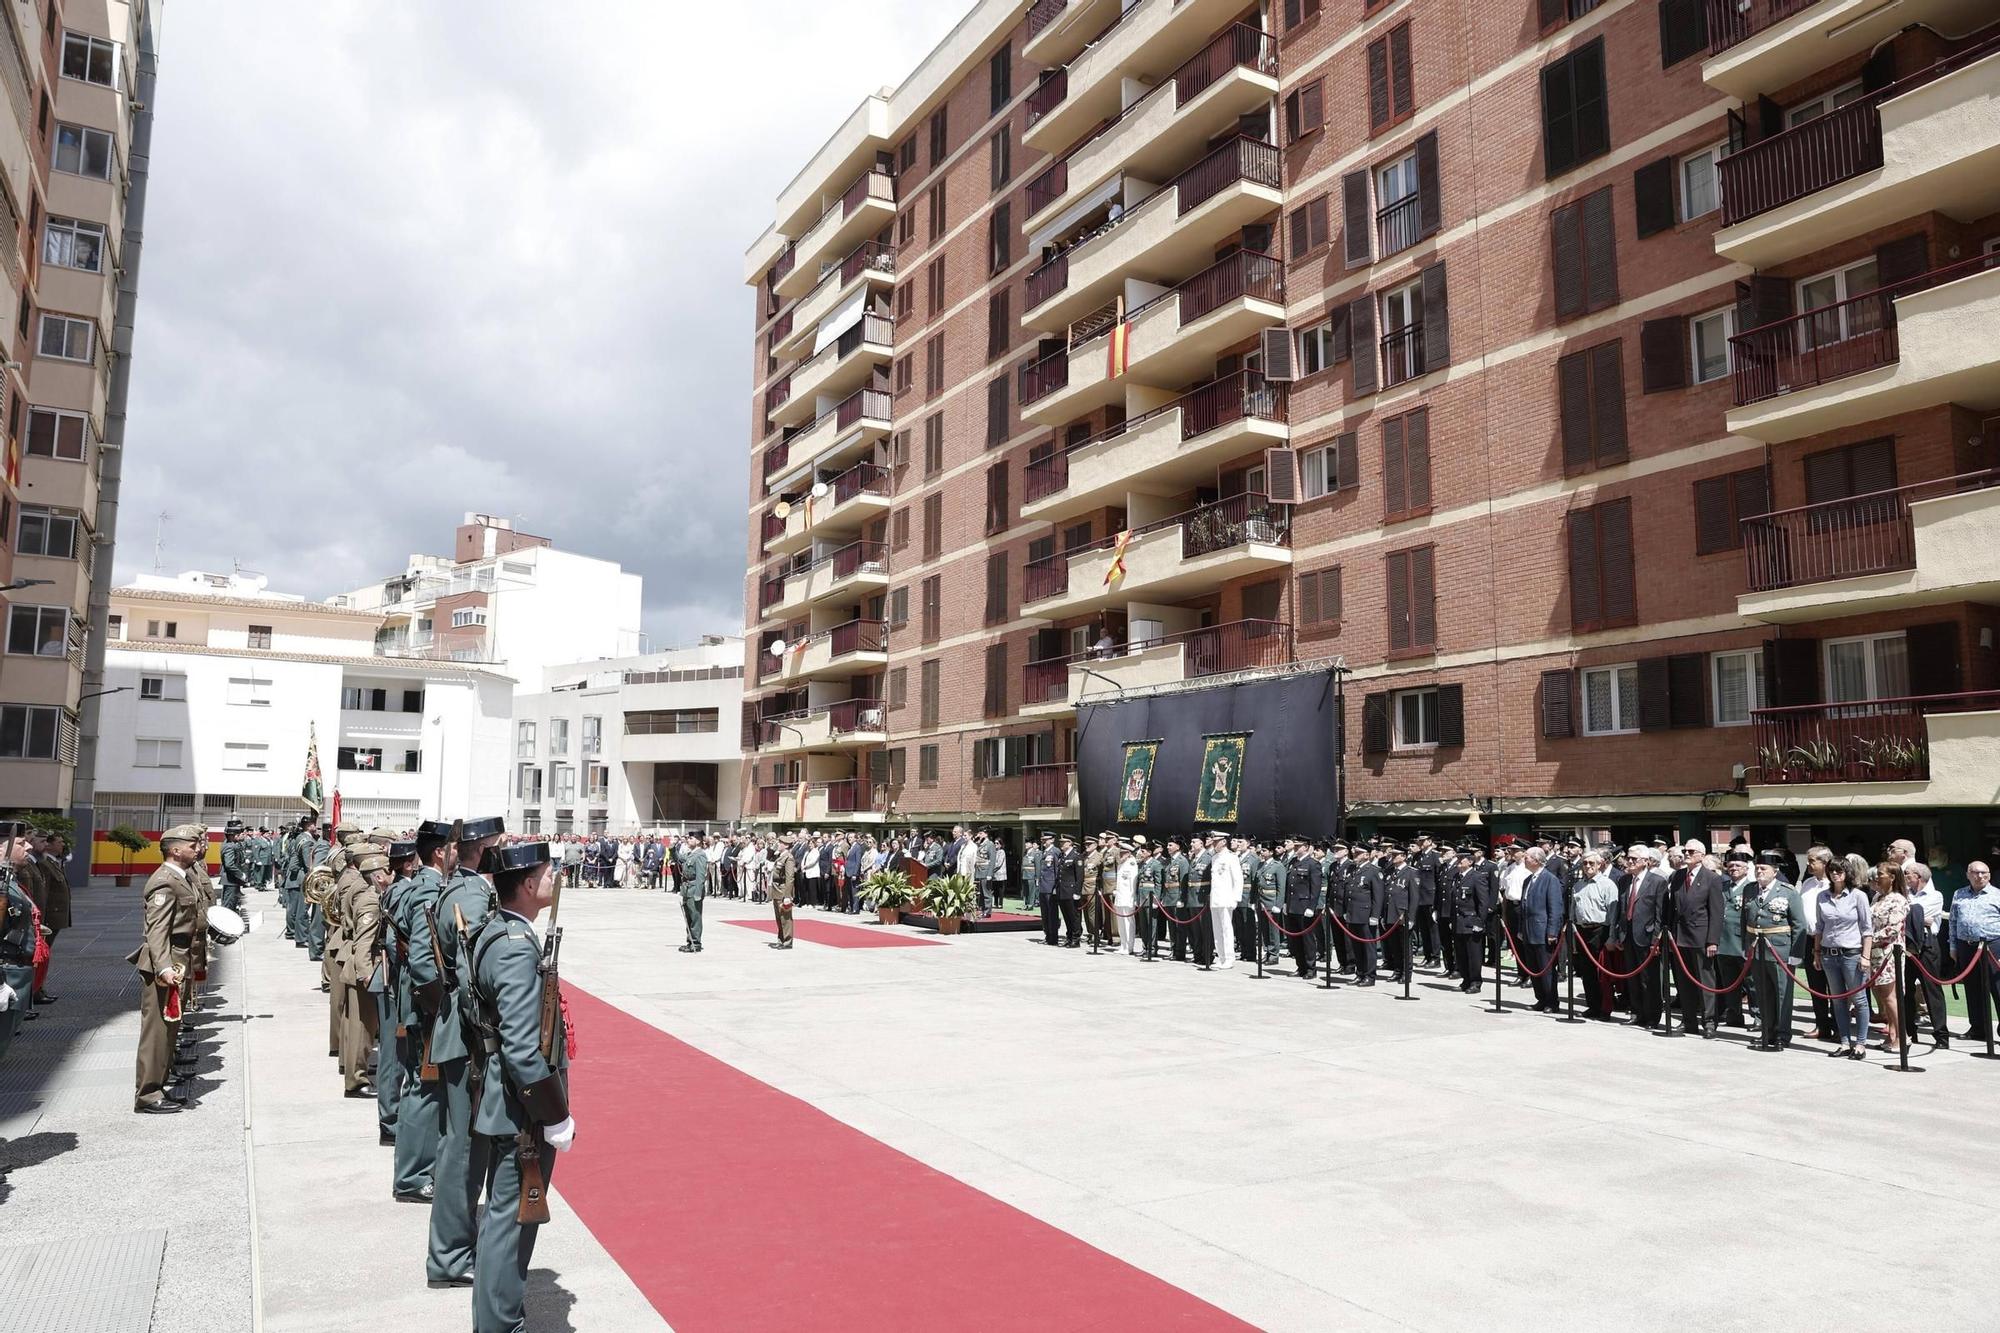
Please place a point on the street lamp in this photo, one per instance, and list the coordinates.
(99, 694)
(18, 584)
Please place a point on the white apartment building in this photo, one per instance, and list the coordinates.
(218, 685)
(506, 599)
(631, 743)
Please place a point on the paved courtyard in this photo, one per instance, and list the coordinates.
(1198, 1146)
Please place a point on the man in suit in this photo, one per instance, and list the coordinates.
(1364, 910)
(1634, 928)
(1472, 913)
(1696, 913)
(1541, 928)
(1068, 891)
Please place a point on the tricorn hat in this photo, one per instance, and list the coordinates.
(472, 830)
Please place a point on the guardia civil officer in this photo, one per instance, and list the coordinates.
(1152, 870)
(239, 863)
(1305, 896)
(692, 868)
(1174, 898)
(1472, 913)
(163, 960)
(1774, 921)
(420, 1116)
(1365, 911)
(383, 991)
(1068, 891)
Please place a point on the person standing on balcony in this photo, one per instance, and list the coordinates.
(1844, 941)
(1975, 926)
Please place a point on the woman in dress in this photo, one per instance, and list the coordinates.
(1890, 909)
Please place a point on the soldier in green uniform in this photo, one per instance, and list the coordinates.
(1152, 871)
(291, 876)
(239, 861)
(460, 1172)
(1774, 924)
(1269, 900)
(784, 890)
(164, 961)
(1730, 951)
(420, 1117)
(264, 856)
(524, 1114)
(693, 871)
(382, 988)
(1031, 875)
(1201, 931)
(1173, 898)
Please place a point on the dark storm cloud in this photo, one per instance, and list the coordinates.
(405, 260)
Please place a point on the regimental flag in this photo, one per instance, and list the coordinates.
(1135, 786)
(313, 791)
(1221, 777)
(1114, 574)
(1118, 349)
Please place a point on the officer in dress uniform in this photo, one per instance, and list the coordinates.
(1152, 870)
(1335, 870)
(421, 994)
(1031, 875)
(523, 1113)
(1201, 931)
(1045, 885)
(1304, 895)
(784, 887)
(1174, 897)
(1269, 901)
(239, 863)
(1774, 921)
(1068, 885)
(693, 868)
(206, 897)
(384, 988)
(1473, 905)
(460, 1172)
(164, 959)
(1364, 909)
(1094, 857)
(1405, 889)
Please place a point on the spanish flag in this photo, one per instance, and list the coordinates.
(13, 461)
(1119, 351)
(1116, 572)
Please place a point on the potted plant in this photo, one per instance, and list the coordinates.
(1817, 759)
(1771, 762)
(129, 840)
(1897, 758)
(888, 892)
(949, 898)
(1860, 759)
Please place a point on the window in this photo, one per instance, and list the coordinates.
(1846, 318)
(933, 608)
(933, 526)
(1305, 111)
(68, 243)
(1331, 467)
(246, 756)
(66, 339)
(1391, 97)
(1406, 465)
(933, 445)
(1611, 700)
(92, 59)
(593, 735)
(1000, 756)
(1701, 188)
(597, 783)
(1324, 345)
(1708, 337)
(901, 374)
(1298, 11)
(1576, 119)
(996, 680)
(51, 533)
(1396, 204)
(899, 607)
(361, 758)
(996, 587)
(524, 740)
(1308, 227)
(1585, 256)
(38, 631)
(1601, 567)
(927, 693)
(1875, 666)
(1415, 713)
(934, 365)
(1000, 74)
(1402, 333)
(1591, 402)
(997, 515)
(163, 630)
(463, 616)
(249, 691)
(1412, 602)
(934, 287)
(1000, 248)
(927, 765)
(939, 138)
(260, 636)
(154, 753)
(936, 215)
(559, 737)
(528, 783)
(1319, 597)
(1815, 107)
(1001, 149)
(1739, 686)
(114, 627)
(1849, 471)
(28, 731)
(166, 689)
(563, 779)
(83, 152)
(1722, 503)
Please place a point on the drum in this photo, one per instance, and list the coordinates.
(225, 926)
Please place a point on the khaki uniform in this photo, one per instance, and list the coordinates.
(197, 973)
(361, 913)
(338, 941)
(173, 923)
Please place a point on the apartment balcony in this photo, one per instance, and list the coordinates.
(837, 507)
(871, 266)
(842, 367)
(1162, 452)
(841, 801)
(1918, 343)
(849, 724)
(857, 646)
(1927, 544)
(1924, 753)
(1166, 561)
(839, 434)
(1167, 237)
(1046, 788)
(1759, 46)
(1171, 124)
(1145, 43)
(866, 208)
(1172, 339)
(1058, 29)
(854, 571)
(1058, 685)
(1930, 141)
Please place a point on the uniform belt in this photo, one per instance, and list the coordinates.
(1770, 930)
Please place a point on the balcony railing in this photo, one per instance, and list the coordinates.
(865, 256)
(877, 185)
(1245, 273)
(1837, 146)
(1833, 341)
(1239, 645)
(875, 404)
(768, 797)
(777, 394)
(781, 267)
(1205, 529)
(848, 796)
(1051, 278)
(771, 527)
(861, 479)
(1049, 94)
(1238, 46)
(1041, 378)
(1241, 161)
(852, 715)
(1397, 226)
(1733, 21)
(855, 556)
(1873, 740)
(770, 592)
(1046, 476)
(1046, 785)
(1842, 539)
(1046, 681)
(781, 328)
(858, 636)
(1042, 14)
(1402, 354)
(775, 459)
(1246, 394)
(878, 329)
(1048, 187)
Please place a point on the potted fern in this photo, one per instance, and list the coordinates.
(888, 892)
(129, 840)
(949, 898)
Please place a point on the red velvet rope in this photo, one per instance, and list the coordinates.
(1177, 921)
(1844, 995)
(1290, 934)
(1687, 973)
(1363, 939)
(1652, 952)
(1976, 956)
(1522, 962)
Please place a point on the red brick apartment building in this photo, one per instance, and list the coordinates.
(1612, 385)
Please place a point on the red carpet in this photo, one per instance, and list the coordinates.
(736, 1208)
(839, 937)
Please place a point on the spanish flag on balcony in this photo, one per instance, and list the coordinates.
(1119, 345)
(1115, 574)
(13, 461)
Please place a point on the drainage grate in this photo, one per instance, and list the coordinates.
(81, 1284)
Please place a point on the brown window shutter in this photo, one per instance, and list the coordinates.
(1399, 601)
(1436, 319)
(996, 679)
(1586, 591)
(1430, 201)
(1308, 608)
(1751, 491)
(1318, 230)
(899, 687)
(1614, 541)
(1653, 196)
(1312, 106)
(1593, 110)
(1600, 251)
(1354, 220)
(1347, 460)
(1395, 494)
(1558, 704)
(1936, 665)
(1403, 93)
(1715, 527)
(1791, 672)
(1904, 258)
(1683, 30)
(1281, 476)
(1375, 723)
(1423, 598)
(1343, 342)
(1566, 245)
(1451, 717)
(1762, 300)
(1655, 709)
(1367, 357)
(1378, 83)
(1663, 354)
(1607, 394)
(1296, 229)
(1274, 347)
(997, 516)
(1551, 13)
(1573, 400)
(1417, 459)
(933, 526)
(1687, 690)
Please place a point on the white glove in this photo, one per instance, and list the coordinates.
(560, 1135)
(7, 997)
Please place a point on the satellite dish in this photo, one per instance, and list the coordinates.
(777, 647)
(783, 509)
(820, 489)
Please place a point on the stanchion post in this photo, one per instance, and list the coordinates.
(1326, 954)
(1902, 1065)
(1494, 931)
(1409, 960)
(1095, 924)
(1257, 934)
(1666, 975)
(1992, 1019)
(1569, 975)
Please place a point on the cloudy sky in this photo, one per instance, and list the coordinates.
(409, 259)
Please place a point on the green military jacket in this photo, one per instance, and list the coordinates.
(506, 972)
(1733, 897)
(238, 861)
(1151, 872)
(1271, 883)
(693, 870)
(1173, 886)
(1197, 881)
(1776, 908)
(421, 891)
(470, 896)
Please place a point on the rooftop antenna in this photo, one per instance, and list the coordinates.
(160, 539)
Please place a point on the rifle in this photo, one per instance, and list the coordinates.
(527, 1144)
(427, 1072)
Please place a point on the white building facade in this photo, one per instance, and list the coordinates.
(629, 744)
